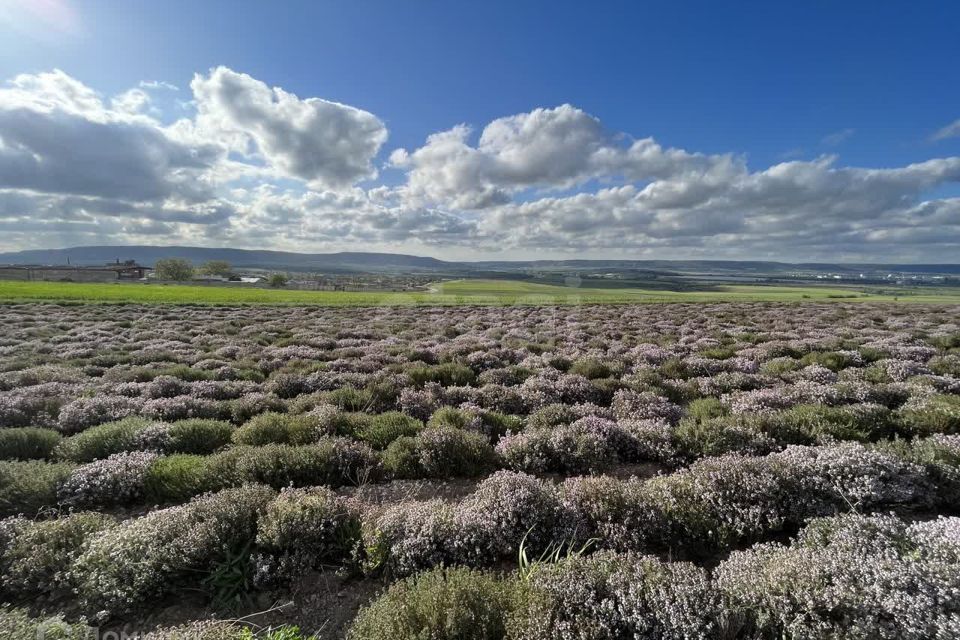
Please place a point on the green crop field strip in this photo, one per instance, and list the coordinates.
(488, 292)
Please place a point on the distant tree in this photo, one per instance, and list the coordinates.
(216, 268)
(278, 280)
(173, 269)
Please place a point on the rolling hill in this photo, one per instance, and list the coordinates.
(370, 262)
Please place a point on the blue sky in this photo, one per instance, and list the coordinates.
(869, 85)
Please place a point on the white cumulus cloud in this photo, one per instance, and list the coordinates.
(325, 143)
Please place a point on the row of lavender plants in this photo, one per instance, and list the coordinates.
(137, 460)
(112, 567)
(849, 576)
(759, 416)
(92, 367)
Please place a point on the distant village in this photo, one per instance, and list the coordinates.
(175, 271)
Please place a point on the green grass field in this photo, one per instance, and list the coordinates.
(450, 293)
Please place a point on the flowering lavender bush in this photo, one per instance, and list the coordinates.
(439, 452)
(118, 479)
(615, 514)
(87, 412)
(611, 596)
(144, 557)
(564, 449)
(851, 576)
(37, 558)
(505, 509)
(630, 405)
(750, 418)
(302, 528)
(410, 536)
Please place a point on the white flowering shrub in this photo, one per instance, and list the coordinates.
(609, 596)
(851, 576)
(742, 420)
(630, 405)
(848, 476)
(717, 501)
(88, 412)
(564, 449)
(145, 557)
(613, 513)
(410, 536)
(36, 558)
(438, 453)
(302, 528)
(506, 509)
(118, 479)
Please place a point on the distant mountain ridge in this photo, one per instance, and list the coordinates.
(370, 262)
(249, 258)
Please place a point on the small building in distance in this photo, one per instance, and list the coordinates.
(112, 272)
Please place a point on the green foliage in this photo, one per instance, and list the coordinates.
(29, 486)
(28, 443)
(675, 369)
(332, 461)
(216, 268)
(229, 583)
(35, 560)
(281, 428)
(384, 428)
(553, 553)
(102, 440)
(712, 437)
(383, 396)
(179, 477)
(938, 413)
(16, 624)
(497, 425)
(872, 354)
(442, 604)
(349, 398)
(446, 374)
(278, 280)
(821, 423)
(551, 415)
(199, 436)
(779, 366)
(945, 365)
(945, 342)
(719, 352)
(591, 368)
(439, 452)
(175, 269)
(703, 409)
(452, 417)
(471, 291)
(830, 359)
